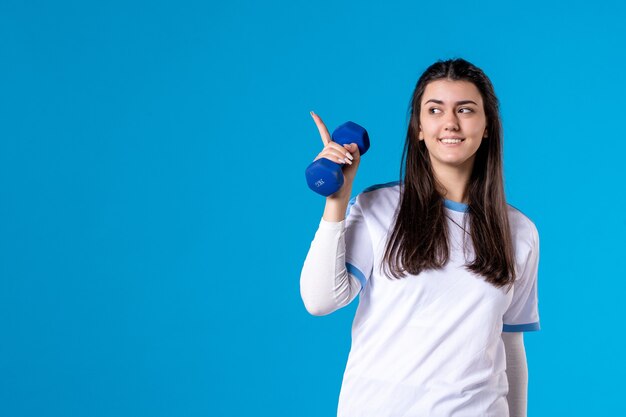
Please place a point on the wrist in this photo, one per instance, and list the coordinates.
(342, 195)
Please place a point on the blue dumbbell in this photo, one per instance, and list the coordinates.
(324, 176)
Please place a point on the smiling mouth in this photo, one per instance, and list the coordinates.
(450, 141)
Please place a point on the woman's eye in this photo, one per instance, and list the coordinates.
(434, 110)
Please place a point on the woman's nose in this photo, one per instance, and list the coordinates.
(451, 123)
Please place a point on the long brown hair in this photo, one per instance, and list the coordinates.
(419, 239)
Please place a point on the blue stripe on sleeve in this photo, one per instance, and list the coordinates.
(350, 204)
(357, 273)
(528, 327)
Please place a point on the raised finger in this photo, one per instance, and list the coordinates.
(322, 128)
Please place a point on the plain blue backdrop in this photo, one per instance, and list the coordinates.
(154, 215)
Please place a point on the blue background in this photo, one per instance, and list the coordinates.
(154, 216)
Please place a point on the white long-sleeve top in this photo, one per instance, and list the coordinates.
(326, 286)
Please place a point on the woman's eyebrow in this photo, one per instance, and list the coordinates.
(457, 103)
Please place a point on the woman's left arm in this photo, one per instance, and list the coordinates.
(516, 373)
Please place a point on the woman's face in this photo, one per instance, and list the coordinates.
(452, 109)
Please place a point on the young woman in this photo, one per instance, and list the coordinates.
(445, 268)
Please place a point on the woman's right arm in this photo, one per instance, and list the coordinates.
(325, 285)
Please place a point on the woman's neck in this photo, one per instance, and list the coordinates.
(452, 181)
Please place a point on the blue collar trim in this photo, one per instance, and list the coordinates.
(453, 205)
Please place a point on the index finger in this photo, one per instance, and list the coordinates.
(322, 128)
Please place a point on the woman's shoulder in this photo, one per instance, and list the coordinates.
(392, 186)
(377, 197)
(522, 227)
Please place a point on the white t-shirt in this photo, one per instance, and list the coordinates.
(430, 345)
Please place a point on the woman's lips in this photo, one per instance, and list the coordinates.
(452, 144)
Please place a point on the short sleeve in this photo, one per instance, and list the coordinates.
(523, 312)
(359, 253)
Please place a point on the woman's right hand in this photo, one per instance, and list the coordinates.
(347, 155)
